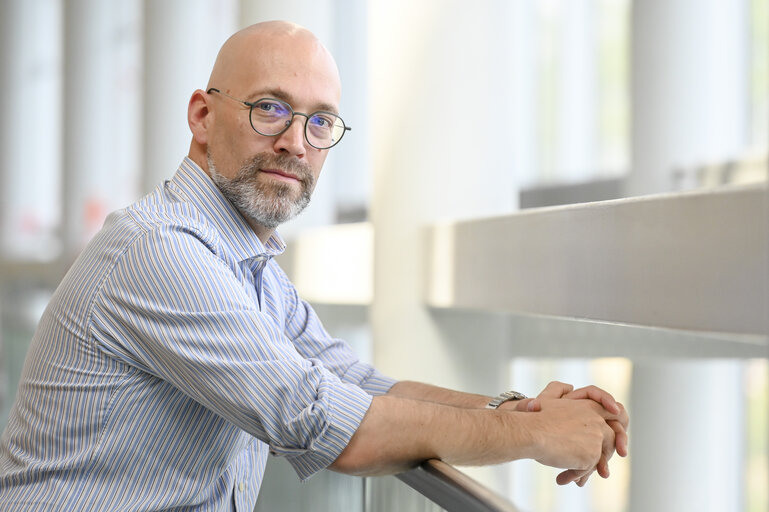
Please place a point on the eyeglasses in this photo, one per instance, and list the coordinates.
(271, 117)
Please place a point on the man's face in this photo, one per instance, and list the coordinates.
(271, 179)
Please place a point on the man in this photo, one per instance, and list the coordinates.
(175, 355)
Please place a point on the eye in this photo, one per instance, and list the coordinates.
(272, 108)
(322, 121)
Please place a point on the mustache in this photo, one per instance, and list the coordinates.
(286, 163)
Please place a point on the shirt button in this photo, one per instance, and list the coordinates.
(241, 487)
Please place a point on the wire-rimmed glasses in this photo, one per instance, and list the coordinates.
(271, 117)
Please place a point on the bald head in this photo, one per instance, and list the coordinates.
(270, 45)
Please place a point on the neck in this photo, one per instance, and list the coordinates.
(262, 232)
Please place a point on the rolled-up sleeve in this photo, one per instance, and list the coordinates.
(174, 307)
(339, 412)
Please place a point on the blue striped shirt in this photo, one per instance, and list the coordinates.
(174, 356)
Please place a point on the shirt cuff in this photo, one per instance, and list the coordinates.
(369, 379)
(377, 384)
(345, 406)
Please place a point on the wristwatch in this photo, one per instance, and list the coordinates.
(507, 396)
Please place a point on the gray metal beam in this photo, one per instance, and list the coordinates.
(692, 261)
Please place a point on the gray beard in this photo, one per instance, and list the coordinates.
(266, 204)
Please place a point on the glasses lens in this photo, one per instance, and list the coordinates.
(270, 117)
(324, 129)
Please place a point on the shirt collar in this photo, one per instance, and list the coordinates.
(193, 183)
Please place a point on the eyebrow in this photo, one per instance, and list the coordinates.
(278, 93)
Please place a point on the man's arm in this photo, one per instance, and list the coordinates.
(554, 390)
(429, 393)
(398, 433)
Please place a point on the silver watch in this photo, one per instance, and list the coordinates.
(507, 396)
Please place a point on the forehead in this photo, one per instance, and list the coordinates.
(300, 68)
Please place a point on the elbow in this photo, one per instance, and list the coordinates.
(382, 445)
(349, 464)
(358, 461)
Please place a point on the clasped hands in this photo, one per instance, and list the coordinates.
(613, 430)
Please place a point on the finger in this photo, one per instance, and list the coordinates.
(556, 390)
(534, 406)
(521, 405)
(620, 437)
(563, 478)
(524, 405)
(597, 395)
(623, 416)
(603, 467)
(570, 475)
(582, 481)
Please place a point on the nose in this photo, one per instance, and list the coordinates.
(292, 140)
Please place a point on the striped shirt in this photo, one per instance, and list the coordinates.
(174, 356)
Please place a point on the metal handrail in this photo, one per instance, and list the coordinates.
(453, 490)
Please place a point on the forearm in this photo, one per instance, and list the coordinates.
(429, 393)
(397, 433)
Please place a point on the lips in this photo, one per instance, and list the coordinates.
(280, 173)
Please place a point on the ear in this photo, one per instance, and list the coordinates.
(199, 116)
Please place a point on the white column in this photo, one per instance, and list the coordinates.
(689, 87)
(101, 94)
(689, 106)
(352, 167)
(524, 92)
(182, 38)
(441, 136)
(687, 436)
(577, 93)
(30, 128)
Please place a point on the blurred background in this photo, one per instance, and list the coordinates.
(459, 110)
